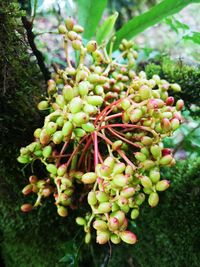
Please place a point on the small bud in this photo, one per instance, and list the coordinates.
(78, 28)
(76, 44)
(57, 137)
(88, 127)
(44, 137)
(139, 199)
(175, 87)
(156, 151)
(175, 124)
(179, 104)
(72, 35)
(145, 92)
(33, 179)
(51, 127)
(69, 23)
(94, 100)
(146, 140)
(120, 215)
(87, 238)
(75, 105)
(47, 150)
(67, 128)
(117, 145)
(80, 118)
(128, 237)
(23, 159)
(68, 92)
(140, 156)
(128, 192)
(154, 175)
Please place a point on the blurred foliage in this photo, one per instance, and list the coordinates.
(128, 9)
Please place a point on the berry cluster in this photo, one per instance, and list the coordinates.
(102, 139)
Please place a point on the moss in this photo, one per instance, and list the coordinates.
(178, 72)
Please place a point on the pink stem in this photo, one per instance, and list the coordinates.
(113, 116)
(84, 150)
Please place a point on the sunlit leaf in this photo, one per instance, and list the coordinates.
(153, 16)
(89, 15)
(106, 29)
(194, 37)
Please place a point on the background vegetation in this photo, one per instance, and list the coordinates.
(169, 234)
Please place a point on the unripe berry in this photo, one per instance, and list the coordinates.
(57, 137)
(72, 35)
(87, 238)
(166, 151)
(62, 211)
(44, 137)
(33, 179)
(102, 237)
(153, 199)
(43, 105)
(104, 207)
(125, 104)
(47, 151)
(120, 215)
(162, 185)
(146, 140)
(165, 160)
(156, 151)
(68, 92)
(92, 200)
(115, 239)
(117, 145)
(135, 115)
(139, 199)
(109, 161)
(67, 128)
(154, 175)
(81, 75)
(62, 29)
(69, 22)
(179, 104)
(26, 207)
(100, 225)
(102, 196)
(51, 168)
(83, 88)
(90, 109)
(98, 56)
(91, 46)
(37, 133)
(140, 156)
(94, 100)
(23, 159)
(78, 28)
(119, 168)
(146, 182)
(51, 127)
(134, 214)
(80, 221)
(166, 125)
(128, 237)
(128, 192)
(88, 127)
(76, 105)
(89, 178)
(61, 170)
(145, 92)
(113, 224)
(120, 180)
(175, 87)
(27, 189)
(76, 44)
(147, 164)
(175, 124)
(80, 118)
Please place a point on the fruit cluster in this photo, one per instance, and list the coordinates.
(102, 139)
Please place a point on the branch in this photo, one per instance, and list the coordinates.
(31, 39)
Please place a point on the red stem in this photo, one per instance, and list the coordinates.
(120, 152)
(84, 150)
(122, 138)
(96, 151)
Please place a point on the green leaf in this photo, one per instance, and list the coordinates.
(89, 15)
(194, 37)
(154, 15)
(106, 29)
(176, 25)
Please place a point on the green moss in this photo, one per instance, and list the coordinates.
(178, 72)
